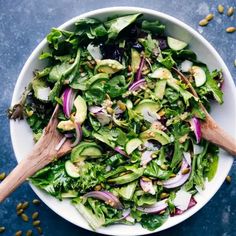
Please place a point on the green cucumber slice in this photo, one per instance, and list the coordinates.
(72, 170)
(132, 145)
(199, 75)
(176, 44)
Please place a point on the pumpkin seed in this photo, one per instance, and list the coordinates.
(110, 110)
(36, 202)
(25, 205)
(209, 17)
(19, 205)
(2, 229)
(36, 223)
(146, 179)
(39, 229)
(29, 233)
(162, 212)
(235, 62)
(220, 8)
(18, 233)
(203, 22)
(98, 187)
(230, 29)
(24, 217)
(35, 215)
(19, 212)
(137, 101)
(164, 195)
(230, 11)
(185, 171)
(228, 179)
(2, 176)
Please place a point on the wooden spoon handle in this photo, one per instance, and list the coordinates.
(212, 132)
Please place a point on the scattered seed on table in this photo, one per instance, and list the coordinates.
(220, 8)
(228, 179)
(235, 62)
(29, 233)
(2, 229)
(19, 206)
(35, 215)
(19, 212)
(203, 22)
(209, 17)
(18, 233)
(2, 176)
(230, 29)
(36, 223)
(230, 11)
(36, 202)
(24, 217)
(25, 205)
(39, 229)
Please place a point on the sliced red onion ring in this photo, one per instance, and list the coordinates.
(155, 208)
(146, 158)
(180, 178)
(139, 71)
(59, 145)
(147, 186)
(196, 126)
(79, 132)
(192, 203)
(95, 109)
(136, 85)
(118, 149)
(68, 99)
(107, 197)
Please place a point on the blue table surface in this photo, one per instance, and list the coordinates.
(23, 24)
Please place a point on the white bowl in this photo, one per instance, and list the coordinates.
(225, 115)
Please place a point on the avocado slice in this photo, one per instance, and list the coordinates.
(81, 109)
(66, 125)
(109, 66)
(148, 105)
(135, 60)
(160, 88)
(155, 134)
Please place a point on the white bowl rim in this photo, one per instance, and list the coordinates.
(127, 10)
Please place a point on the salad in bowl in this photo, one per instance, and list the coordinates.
(137, 155)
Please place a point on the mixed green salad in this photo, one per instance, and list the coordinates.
(135, 127)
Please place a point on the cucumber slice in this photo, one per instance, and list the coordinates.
(132, 145)
(160, 88)
(199, 75)
(161, 73)
(72, 170)
(147, 105)
(176, 44)
(81, 109)
(92, 152)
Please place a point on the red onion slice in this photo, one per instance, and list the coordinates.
(78, 130)
(146, 158)
(147, 186)
(68, 99)
(118, 149)
(139, 71)
(192, 203)
(196, 126)
(95, 109)
(180, 178)
(136, 85)
(107, 197)
(155, 208)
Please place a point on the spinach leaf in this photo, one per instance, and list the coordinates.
(154, 27)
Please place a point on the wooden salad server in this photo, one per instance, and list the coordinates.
(210, 130)
(43, 153)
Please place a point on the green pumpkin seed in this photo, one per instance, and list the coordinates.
(228, 179)
(98, 187)
(164, 195)
(235, 62)
(230, 11)
(220, 8)
(39, 229)
(203, 22)
(19, 212)
(18, 233)
(2, 229)
(209, 17)
(35, 215)
(25, 205)
(29, 233)
(230, 29)
(36, 223)
(2, 176)
(36, 202)
(24, 217)
(185, 171)
(19, 206)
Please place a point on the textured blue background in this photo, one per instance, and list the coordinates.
(23, 24)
